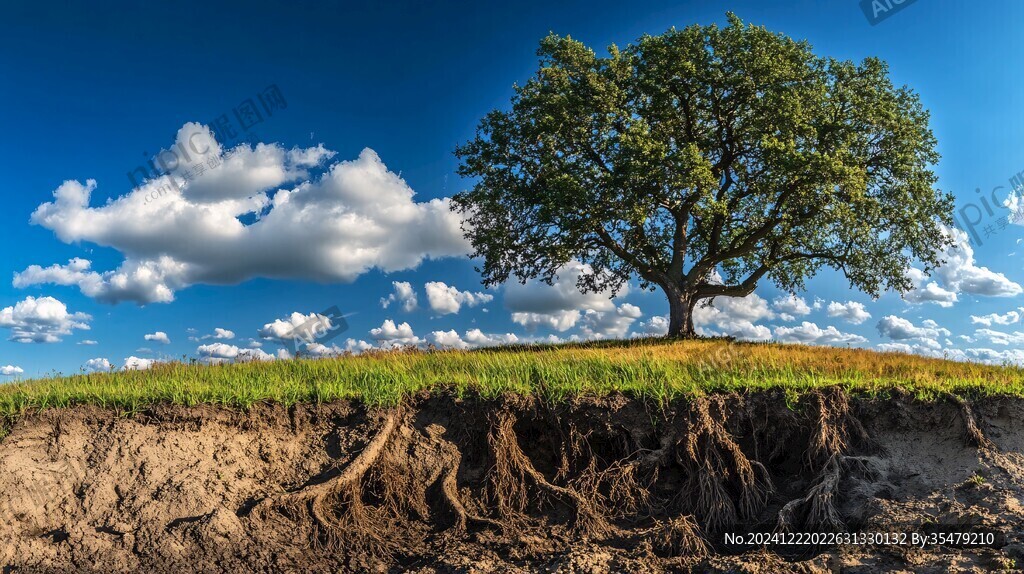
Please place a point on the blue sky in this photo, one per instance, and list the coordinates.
(93, 92)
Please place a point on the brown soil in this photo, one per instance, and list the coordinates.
(512, 485)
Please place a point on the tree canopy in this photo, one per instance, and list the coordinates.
(702, 161)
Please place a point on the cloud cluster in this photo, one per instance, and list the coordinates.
(391, 335)
(258, 213)
(733, 316)
(445, 299)
(558, 306)
(158, 337)
(403, 294)
(790, 307)
(471, 339)
(809, 333)
(41, 320)
(1008, 318)
(10, 370)
(134, 363)
(851, 311)
(959, 274)
(97, 365)
(217, 353)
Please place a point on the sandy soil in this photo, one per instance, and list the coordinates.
(512, 485)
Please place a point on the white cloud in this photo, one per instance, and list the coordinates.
(218, 334)
(87, 342)
(999, 337)
(609, 324)
(656, 326)
(791, 306)
(898, 329)
(352, 346)
(295, 326)
(253, 215)
(391, 335)
(810, 334)
(959, 274)
(97, 365)
(472, 339)
(217, 353)
(404, 294)
(557, 306)
(134, 363)
(851, 311)
(10, 370)
(42, 320)
(158, 337)
(444, 299)
(733, 316)
(1008, 318)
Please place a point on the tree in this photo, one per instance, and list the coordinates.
(702, 161)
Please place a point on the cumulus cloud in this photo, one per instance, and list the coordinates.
(733, 316)
(999, 337)
(351, 347)
(403, 294)
(217, 353)
(158, 337)
(959, 274)
(851, 311)
(809, 333)
(391, 335)
(656, 326)
(445, 299)
(258, 213)
(557, 306)
(791, 306)
(296, 326)
(898, 329)
(218, 334)
(10, 370)
(41, 320)
(1008, 318)
(472, 339)
(609, 324)
(97, 365)
(134, 363)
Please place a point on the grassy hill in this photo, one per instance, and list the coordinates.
(654, 369)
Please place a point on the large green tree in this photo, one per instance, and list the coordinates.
(702, 161)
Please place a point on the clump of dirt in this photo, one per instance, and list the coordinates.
(443, 484)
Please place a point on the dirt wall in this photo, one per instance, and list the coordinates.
(513, 485)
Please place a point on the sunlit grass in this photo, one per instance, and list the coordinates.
(656, 370)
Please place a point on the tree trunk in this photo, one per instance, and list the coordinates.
(680, 305)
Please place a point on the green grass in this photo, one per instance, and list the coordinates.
(657, 370)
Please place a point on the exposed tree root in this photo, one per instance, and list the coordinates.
(818, 506)
(354, 524)
(679, 536)
(410, 484)
(973, 431)
(836, 429)
(718, 472)
(513, 470)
